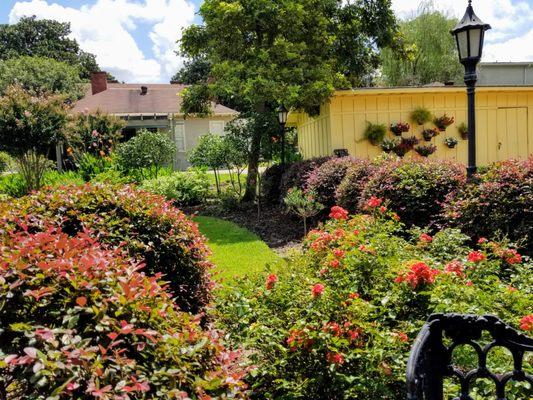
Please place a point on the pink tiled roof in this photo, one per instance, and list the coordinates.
(127, 99)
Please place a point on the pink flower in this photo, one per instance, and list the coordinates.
(334, 263)
(317, 290)
(425, 238)
(354, 296)
(476, 257)
(374, 202)
(512, 257)
(526, 323)
(402, 337)
(335, 358)
(455, 267)
(482, 240)
(383, 209)
(338, 213)
(339, 253)
(419, 274)
(469, 283)
(271, 281)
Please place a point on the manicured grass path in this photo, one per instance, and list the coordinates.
(236, 251)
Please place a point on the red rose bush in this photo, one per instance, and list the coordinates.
(339, 320)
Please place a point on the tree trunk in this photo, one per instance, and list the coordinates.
(253, 161)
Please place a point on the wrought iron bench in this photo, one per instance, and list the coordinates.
(431, 359)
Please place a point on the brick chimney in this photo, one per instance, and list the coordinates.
(98, 82)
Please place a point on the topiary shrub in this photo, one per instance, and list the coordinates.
(146, 154)
(325, 179)
(184, 188)
(349, 191)
(145, 225)
(271, 184)
(80, 321)
(297, 173)
(501, 203)
(415, 189)
(339, 320)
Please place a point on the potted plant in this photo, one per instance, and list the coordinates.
(405, 146)
(443, 122)
(421, 115)
(375, 133)
(425, 151)
(463, 130)
(429, 134)
(389, 145)
(451, 142)
(400, 128)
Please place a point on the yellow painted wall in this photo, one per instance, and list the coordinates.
(504, 121)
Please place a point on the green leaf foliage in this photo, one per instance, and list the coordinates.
(146, 153)
(431, 55)
(41, 75)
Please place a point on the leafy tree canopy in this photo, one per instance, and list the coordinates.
(45, 38)
(294, 51)
(432, 55)
(195, 70)
(40, 75)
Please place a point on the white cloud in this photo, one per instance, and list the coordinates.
(511, 21)
(106, 27)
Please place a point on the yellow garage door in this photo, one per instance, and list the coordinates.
(512, 133)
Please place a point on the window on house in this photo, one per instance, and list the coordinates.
(216, 127)
(179, 137)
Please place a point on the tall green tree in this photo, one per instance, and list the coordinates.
(45, 38)
(295, 52)
(40, 75)
(195, 70)
(432, 55)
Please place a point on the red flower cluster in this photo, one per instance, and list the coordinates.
(335, 358)
(425, 238)
(476, 257)
(338, 213)
(317, 290)
(526, 323)
(419, 274)
(511, 256)
(402, 337)
(455, 267)
(271, 281)
(322, 241)
(298, 338)
(374, 202)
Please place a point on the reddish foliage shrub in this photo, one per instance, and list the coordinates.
(82, 321)
(297, 173)
(147, 226)
(500, 204)
(415, 189)
(325, 179)
(349, 191)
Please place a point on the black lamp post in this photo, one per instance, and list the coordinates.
(282, 117)
(469, 35)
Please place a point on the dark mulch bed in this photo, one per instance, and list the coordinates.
(280, 231)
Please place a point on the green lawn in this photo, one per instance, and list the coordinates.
(236, 251)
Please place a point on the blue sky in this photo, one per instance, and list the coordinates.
(135, 39)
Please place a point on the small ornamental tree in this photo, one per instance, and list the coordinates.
(303, 204)
(80, 321)
(146, 153)
(30, 127)
(96, 133)
(210, 153)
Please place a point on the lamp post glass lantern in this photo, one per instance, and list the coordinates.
(282, 117)
(469, 36)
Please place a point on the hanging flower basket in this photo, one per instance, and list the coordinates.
(405, 146)
(389, 145)
(429, 134)
(399, 128)
(443, 122)
(463, 130)
(451, 142)
(426, 151)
